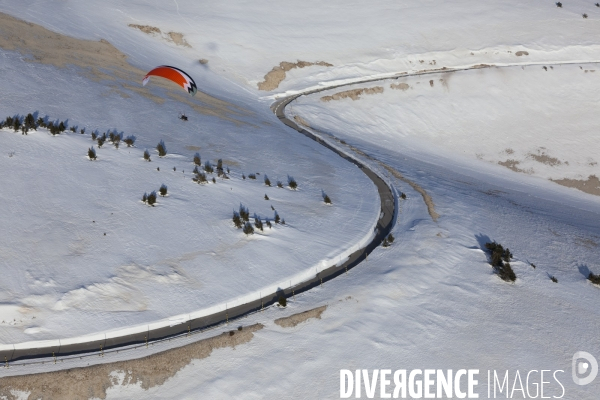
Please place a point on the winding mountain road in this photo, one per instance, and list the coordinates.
(100, 343)
(103, 342)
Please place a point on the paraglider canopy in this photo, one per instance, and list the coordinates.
(173, 74)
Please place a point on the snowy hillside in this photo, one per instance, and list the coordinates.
(537, 120)
(483, 154)
(63, 277)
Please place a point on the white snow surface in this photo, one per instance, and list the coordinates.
(429, 301)
(536, 119)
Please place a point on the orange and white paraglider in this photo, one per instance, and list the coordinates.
(173, 74)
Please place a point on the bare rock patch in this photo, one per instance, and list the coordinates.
(400, 86)
(590, 185)
(93, 381)
(354, 94)
(274, 77)
(293, 320)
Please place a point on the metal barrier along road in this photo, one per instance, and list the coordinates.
(219, 314)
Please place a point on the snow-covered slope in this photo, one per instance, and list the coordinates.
(539, 120)
(429, 301)
(63, 277)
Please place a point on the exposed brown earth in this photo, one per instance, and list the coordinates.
(277, 74)
(400, 86)
(295, 319)
(512, 165)
(178, 39)
(354, 94)
(544, 158)
(426, 197)
(591, 185)
(93, 381)
(146, 29)
(174, 37)
(301, 121)
(521, 53)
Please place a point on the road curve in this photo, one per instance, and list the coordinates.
(102, 343)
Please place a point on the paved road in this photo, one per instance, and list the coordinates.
(385, 223)
(55, 348)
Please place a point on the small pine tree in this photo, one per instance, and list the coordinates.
(237, 221)
(61, 126)
(147, 155)
(129, 141)
(248, 229)
(279, 184)
(101, 140)
(258, 223)
(282, 301)
(268, 223)
(244, 213)
(251, 176)
(553, 279)
(503, 269)
(403, 196)
(267, 181)
(199, 178)
(94, 135)
(82, 131)
(91, 153)
(30, 122)
(16, 124)
(40, 122)
(292, 184)
(208, 168)
(220, 167)
(266, 197)
(327, 200)
(243, 177)
(163, 190)
(197, 160)
(388, 240)
(595, 279)
(73, 129)
(161, 148)
(152, 198)
(283, 221)
(277, 218)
